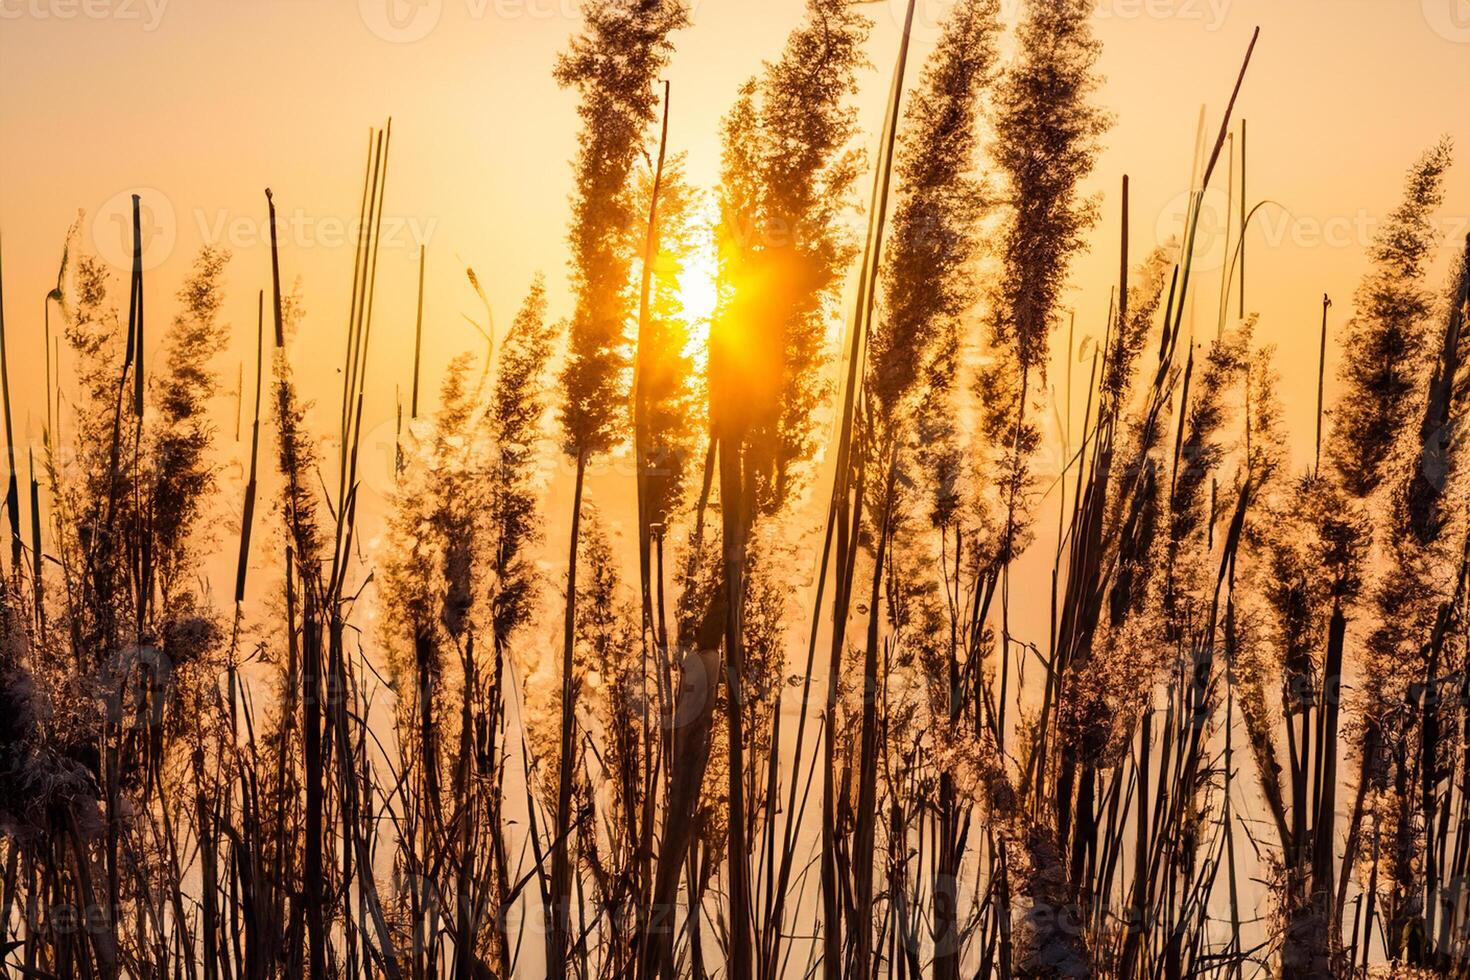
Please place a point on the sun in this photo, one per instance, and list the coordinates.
(699, 284)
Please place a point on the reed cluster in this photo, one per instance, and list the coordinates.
(1236, 748)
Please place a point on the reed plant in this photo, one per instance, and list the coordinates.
(1235, 746)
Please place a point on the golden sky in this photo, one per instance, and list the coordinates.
(203, 103)
(199, 105)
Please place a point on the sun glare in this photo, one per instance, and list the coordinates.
(699, 279)
(699, 289)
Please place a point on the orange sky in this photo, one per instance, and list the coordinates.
(200, 104)
(203, 103)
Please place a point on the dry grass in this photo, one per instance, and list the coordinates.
(1172, 780)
